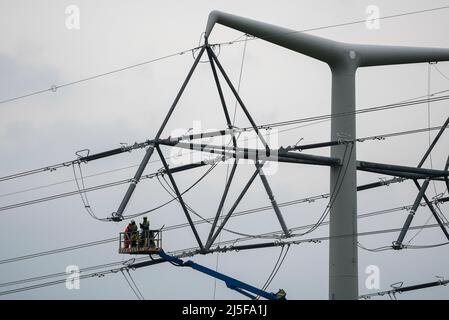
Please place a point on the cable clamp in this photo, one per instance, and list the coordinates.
(344, 138)
(126, 147)
(80, 155)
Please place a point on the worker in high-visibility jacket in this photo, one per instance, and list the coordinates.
(127, 236)
(144, 232)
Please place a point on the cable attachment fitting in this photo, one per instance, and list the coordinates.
(115, 217)
(343, 138)
(397, 246)
(125, 147)
(441, 280)
(161, 171)
(264, 127)
(83, 153)
(438, 196)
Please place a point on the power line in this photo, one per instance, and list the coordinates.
(131, 286)
(334, 195)
(237, 214)
(72, 180)
(318, 239)
(234, 140)
(65, 181)
(276, 268)
(87, 200)
(64, 274)
(95, 188)
(405, 103)
(120, 182)
(363, 139)
(135, 285)
(240, 78)
(349, 23)
(135, 215)
(201, 217)
(357, 112)
(398, 288)
(83, 195)
(440, 72)
(60, 281)
(194, 251)
(54, 88)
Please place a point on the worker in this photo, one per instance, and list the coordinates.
(127, 236)
(144, 232)
(134, 234)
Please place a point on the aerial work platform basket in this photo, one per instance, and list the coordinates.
(146, 242)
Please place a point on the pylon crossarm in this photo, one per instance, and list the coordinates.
(402, 289)
(430, 173)
(255, 154)
(334, 53)
(201, 135)
(401, 174)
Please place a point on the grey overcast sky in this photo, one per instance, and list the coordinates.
(37, 51)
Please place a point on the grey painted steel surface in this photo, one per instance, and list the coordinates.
(343, 60)
(273, 201)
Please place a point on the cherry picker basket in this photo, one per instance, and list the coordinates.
(146, 242)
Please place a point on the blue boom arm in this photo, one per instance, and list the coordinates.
(234, 284)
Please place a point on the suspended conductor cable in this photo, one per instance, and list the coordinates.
(227, 168)
(273, 275)
(240, 78)
(131, 286)
(189, 208)
(348, 23)
(272, 271)
(193, 251)
(54, 88)
(83, 195)
(271, 125)
(135, 285)
(334, 194)
(440, 72)
(429, 79)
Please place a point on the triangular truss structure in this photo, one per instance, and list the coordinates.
(258, 155)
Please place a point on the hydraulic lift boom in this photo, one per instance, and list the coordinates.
(234, 284)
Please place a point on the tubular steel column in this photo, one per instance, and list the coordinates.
(343, 268)
(343, 60)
